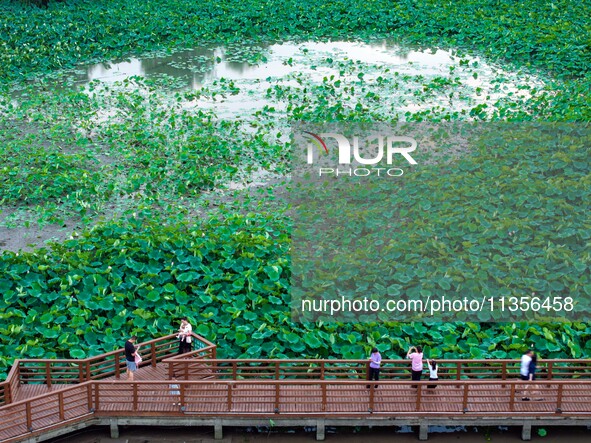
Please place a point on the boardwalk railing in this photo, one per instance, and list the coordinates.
(72, 371)
(180, 365)
(301, 398)
(240, 369)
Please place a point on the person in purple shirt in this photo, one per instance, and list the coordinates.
(415, 354)
(375, 361)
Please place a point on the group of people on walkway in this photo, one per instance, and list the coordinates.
(133, 357)
(415, 354)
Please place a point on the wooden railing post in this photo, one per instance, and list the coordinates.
(504, 366)
(60, 403)
(153, 352)
(276, 397)
(559, 399)
(371, 398)
(48, 374)
(29, 416)
(322, 369)
(88, 374)
(214, 352)
(419, 394)
(465, 397)
(550, 367)
(512, 398)
(277, 370)
(135, 396)
(234, 370)
(89, 395)
(80, 373)
(96, 396)
(7, 392)
(117, 368)
(324, 397)
(458, 370)
(230, 389)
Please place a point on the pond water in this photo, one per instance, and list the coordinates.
(202, 65)
(404, 79)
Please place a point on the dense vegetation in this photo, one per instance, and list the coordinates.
(166, 247)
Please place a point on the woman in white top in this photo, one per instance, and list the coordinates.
(432, 365)
(185, 336)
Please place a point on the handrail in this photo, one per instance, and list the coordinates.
(177, 366)
(67, 370)
(97, 367)
(391, 369)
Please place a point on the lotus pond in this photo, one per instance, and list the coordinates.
(136, 191)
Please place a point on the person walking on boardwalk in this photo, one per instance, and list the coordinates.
(525, 361)
(531, 376)
(185, 336)
(175, 392)
(415, 353)
(130, 353)
(375, 361)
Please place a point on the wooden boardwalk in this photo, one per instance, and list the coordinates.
(42, 397)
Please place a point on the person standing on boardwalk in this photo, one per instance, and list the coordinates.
(130, 353)
(185, 336)
(432, 365)
(415, 353)
(525, 361)
(375, 361)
